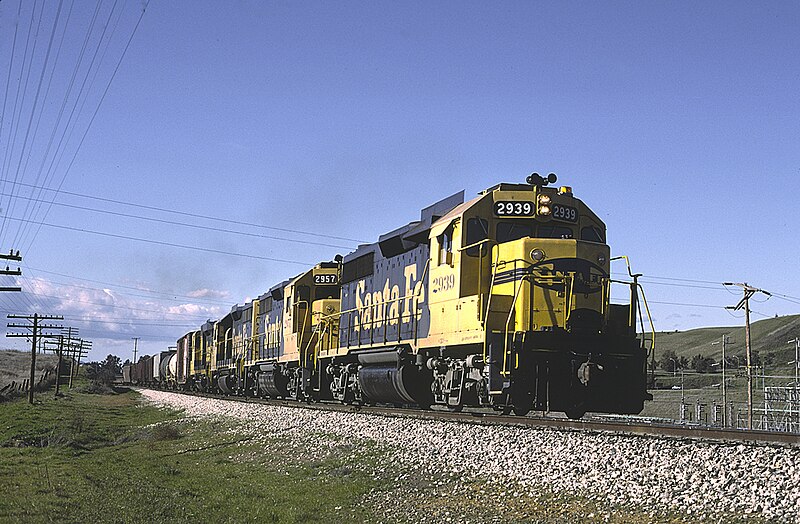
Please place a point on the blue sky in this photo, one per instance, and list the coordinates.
(676, 122)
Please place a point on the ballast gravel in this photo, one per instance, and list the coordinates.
(699, 479)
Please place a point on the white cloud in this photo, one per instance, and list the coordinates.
(110, 318)
(208, 293)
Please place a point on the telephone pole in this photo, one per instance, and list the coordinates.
(59, 350)
(748, 291)
(12, 272)
(35, 332)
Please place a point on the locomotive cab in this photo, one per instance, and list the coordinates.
(525, 270)
(298, 327)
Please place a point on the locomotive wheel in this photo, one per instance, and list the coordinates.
(575, 412)
(522, 401)
(522, 410)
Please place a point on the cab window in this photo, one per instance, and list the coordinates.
(477, 230)
(303, 296)
(446, 246)
(513, 230)
(592, 234)
(554, 231)
(321, 292)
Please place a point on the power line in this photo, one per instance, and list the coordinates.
(162, 243)
(80, 95)
(185, 213)
(96, 111)
(175, 223)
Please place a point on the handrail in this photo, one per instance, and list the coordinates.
(628, 263)
(316, 331)
(508, 322)
(495, 266)
(649, 318)
(636, 286)
(481, 317)
(415, 320)
(569, 287)
(303, 328)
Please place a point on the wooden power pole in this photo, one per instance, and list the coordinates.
(35, 332)
(749, 291)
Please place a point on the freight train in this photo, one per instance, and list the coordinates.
(502, 301)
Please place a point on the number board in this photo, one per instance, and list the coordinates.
(566, 213)
(516, 208)
(326, 279)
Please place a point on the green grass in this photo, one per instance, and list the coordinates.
(92, 458)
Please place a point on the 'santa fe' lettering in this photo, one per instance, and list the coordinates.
(388, 304)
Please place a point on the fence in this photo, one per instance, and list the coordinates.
(18, 388)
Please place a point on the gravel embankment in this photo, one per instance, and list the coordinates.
(701, 480)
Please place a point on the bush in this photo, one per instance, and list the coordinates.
(97, 388)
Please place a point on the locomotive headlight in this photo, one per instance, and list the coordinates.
(601, 259)
(544, 210)
(544, 199)
(537, 255)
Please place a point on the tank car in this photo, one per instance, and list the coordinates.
(167, 368)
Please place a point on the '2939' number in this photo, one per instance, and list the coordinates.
(516, 208)
(570, 214)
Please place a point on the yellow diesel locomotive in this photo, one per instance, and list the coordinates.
(501, 301)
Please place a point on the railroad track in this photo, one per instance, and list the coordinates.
(675, 431)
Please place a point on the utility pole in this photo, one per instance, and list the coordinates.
(749, 291)
(59, 350)
(796, 342)
(70, 337)
(83, 350)
(725, 341)
(13, 272)
(35, 329)
(135, 345)
(80, 348)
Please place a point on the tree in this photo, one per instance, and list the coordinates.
(701, 364)
(112, 363)
(668, 361)
(106, 371)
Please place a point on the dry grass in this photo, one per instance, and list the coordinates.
(15, 366)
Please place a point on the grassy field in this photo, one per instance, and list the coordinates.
(107, 458)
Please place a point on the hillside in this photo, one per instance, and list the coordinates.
(769, 337)
(16, 365)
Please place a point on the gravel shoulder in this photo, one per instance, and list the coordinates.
(459, 472)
